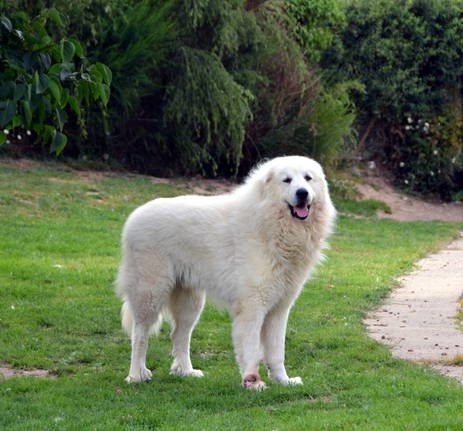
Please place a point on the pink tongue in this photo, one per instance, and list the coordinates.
(301, 212)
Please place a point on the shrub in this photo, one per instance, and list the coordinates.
(313, 23)
(204, 86)
(296, 113)
(207, 112)
(43, 82)
(409, 56)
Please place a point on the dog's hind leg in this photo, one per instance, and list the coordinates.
(138, 371)
(144, 282)
(185, 306)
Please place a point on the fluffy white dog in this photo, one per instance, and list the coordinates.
(251, 249)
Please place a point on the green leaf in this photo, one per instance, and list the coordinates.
(66, 71)
(54, 14)
(55, 89)
(27, 112)
(105, 72)
(17, 121)
(7, 112)
(67, 51)
(19, 91)
(78, 46)
(74, 104)
(54, 69)
(41, 82)
(64, 97)
(62, 117)
(45, 60)
(104, 94)
(58, 142)
(2, 138)
(83, 91)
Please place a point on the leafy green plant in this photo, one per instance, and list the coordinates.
(296, 113)
(409, 57)
(43, 81)
(211, 133)
(313, 23)
(429, 156)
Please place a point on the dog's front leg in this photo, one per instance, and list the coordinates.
(273, 342)
(247, 326)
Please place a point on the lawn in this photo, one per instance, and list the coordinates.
(59, 253)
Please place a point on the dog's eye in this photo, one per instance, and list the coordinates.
(287, 180)
(307, 177)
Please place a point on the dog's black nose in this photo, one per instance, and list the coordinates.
(302, 194)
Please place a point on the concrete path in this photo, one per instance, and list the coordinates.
(418, 319)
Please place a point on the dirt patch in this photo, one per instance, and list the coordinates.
(405, 207)
(8, 372)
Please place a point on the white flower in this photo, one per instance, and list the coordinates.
(431, 173)
(406, 181)
(19, 137)
(435, 152)
(6, 131)
(28, 133)
(407, 127)
(409, 120)
(401, 164)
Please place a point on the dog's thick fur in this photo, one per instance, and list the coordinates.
(251, 249)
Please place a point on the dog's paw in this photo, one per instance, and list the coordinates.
(143, 376)
(179, 371)
(254, 383)
(293, 381)
(287, 381)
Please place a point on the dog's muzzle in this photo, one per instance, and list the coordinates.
(302, 208)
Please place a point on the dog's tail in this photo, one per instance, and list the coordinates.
(127, 321)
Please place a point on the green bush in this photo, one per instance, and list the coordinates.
(313, 23)
(409, 56)
(295, 112)
(207, 112)
(43, 82)
(204, 86)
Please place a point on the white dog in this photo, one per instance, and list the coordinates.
(251, 249)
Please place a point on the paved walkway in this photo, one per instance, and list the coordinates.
(418, 319)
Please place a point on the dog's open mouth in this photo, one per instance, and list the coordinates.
(299, 212)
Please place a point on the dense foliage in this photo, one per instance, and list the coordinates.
(207, 87)
(409, 56)
(43, 81)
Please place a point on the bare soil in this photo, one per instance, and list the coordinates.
(7, 371)
(404, 207)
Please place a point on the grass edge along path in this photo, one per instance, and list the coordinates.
(59, 252)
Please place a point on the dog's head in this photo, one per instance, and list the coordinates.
(296, 183)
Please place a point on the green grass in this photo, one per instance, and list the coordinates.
(59, 252)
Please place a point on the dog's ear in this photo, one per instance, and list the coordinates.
(268, 177)
(265, 182)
